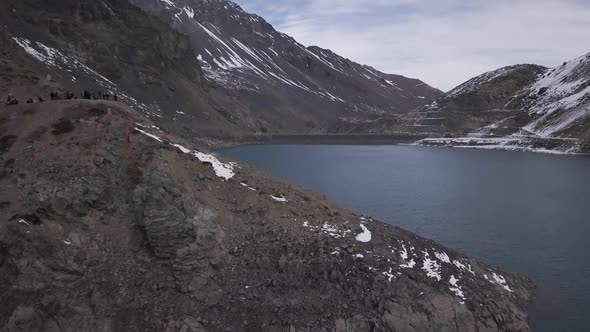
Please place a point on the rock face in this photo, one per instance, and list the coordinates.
(116, 225)
(205, 68)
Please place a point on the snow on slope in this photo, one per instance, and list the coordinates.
(240, 51)
(476, 82)
(68, 63)
(561, 98)
(234, 55)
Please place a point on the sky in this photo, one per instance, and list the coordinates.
(442, 42)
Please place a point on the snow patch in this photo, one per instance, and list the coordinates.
(443, 257)
(463, 267)
(22, 221)
(150, 135)
(409, 265)
(389, 274)
(500, 281)
(279, 199)
(404, 255)
(222, 170)
(455, 288)
(247, 186)
(331, 230)
(189, 12)
(431, 267)
(365, 236)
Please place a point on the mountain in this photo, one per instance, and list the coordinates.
(204, 68)
(268, 71)
(522, 107)
(111, 223)
(482, 101)
(559, 101)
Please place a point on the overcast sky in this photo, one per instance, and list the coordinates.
(442, 42)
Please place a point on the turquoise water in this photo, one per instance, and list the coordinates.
(524, 212)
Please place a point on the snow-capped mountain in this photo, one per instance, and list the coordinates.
(560, 100)
(242, 53)
(204, 66)
(483, 102)
(549, 113)
(526, 107)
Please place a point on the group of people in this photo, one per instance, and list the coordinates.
(68, 95)
(39, 99)
(100, 96)
(84, 95)
(11, 101)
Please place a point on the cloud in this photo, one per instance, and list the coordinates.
(443, 42)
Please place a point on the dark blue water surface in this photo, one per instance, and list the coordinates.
(524, 212)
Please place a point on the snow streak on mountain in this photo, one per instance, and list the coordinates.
(241, 51)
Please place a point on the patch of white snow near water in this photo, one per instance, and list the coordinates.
(222, 170)
(463, 267)
(500, 281)
(247, 186)
(455, 288)
(279, 199)
(365, 236)
(404, 256)
(181, 148)
(431, 267)
(443, 257)
(149, 135)
(333, 231)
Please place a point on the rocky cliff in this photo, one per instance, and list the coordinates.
(109, 223)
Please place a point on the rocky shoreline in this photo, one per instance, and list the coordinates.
(557, 146)
(110, 223)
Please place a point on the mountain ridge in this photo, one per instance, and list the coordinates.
(218, 71)
(272, 56)
(523, 107)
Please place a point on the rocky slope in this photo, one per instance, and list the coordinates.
(522, 107)
(109, 223)
(108, 46)
(201, 67)
(265, 69)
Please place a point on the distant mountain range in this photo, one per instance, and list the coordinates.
(522, 107)
(206, 68)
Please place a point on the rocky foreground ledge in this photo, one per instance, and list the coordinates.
(107, 223)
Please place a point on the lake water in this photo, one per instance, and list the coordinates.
(523, 212)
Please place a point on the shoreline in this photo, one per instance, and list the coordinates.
(318, 139)
(378, 139)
